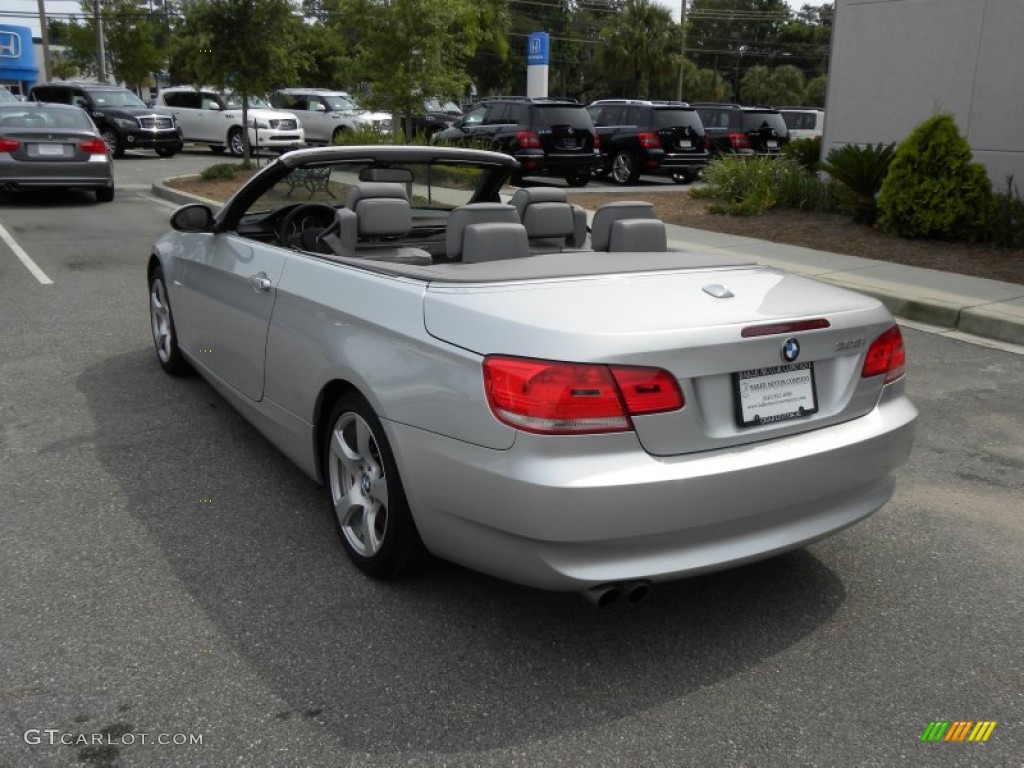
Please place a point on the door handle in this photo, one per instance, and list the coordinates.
(260, 283)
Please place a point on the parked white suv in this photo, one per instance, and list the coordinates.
(804, 122)
(325, 114)
(207, 116)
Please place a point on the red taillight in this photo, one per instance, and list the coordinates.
(8, 145)
(739, 141)
(597, 141)
(550, 397)
(93, 146)
(886, 355)
(527, 140)
(649, 141)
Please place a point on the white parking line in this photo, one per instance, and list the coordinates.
(23, 257)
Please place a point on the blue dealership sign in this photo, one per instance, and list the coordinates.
(537, 47)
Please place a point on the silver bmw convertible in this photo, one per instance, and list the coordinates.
(496, 377)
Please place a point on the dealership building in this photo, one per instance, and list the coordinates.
(18, 70)
(895, 63)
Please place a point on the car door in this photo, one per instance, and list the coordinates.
(473, 125)
(185, 106)
(227, 291)
(211, 125)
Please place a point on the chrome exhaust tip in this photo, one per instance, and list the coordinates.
(602, 595)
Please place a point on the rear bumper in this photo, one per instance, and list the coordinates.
(610, 512)
(557, 162)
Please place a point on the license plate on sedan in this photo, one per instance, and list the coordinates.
(772, 144)
(778, 393)
(50, 150)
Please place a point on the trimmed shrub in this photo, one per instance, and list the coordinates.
(861, 171)
(221, 171)
(934, 188)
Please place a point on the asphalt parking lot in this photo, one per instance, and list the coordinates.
(167, 574)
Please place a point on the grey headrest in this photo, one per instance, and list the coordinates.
(493, 241)
(638, 235)
(601, 228)
(383, 216)
(474, 213)
(529, 195)
(373, 189)
(548, 220)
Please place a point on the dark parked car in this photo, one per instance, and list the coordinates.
(548, 136)
(123, 119)
(47, 146)
(733, 129)
(653, 137)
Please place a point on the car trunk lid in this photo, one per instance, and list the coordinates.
(692, 324)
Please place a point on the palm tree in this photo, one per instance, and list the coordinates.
(639, 51)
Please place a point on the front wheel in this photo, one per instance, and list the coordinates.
(577, 178)
(684, 177)
(113, 142)
(365, 493)
(167, 151)
(165, 338)
(236, 144)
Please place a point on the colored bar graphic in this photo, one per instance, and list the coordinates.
(958, 730)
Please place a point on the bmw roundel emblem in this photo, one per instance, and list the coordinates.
(790, 350)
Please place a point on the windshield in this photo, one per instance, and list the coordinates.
(437, 105)
(234, 101)
(116, 98)
(341, 104)
(6, 95)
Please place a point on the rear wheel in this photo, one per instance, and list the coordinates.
(624, 169)
(684, 177)
(105, 194)
(365, 493)
(577, 178)
(167, 151)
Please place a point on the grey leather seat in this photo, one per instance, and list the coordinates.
(551, 222)
(628, 226)
(474, 213)
(375, 216)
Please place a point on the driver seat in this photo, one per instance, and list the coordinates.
(376, 215)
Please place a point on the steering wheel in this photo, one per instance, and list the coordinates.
(303, 218)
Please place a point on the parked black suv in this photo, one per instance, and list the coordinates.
(654, 137)
(732, 129)
(548, 136)
(123, 119)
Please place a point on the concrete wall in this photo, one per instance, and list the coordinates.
(897, 62)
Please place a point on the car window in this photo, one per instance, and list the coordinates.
(714, 118)
(475, 116)
(31, 115)
(234, 101)
(671, 118)
(115, 97)
(801, 121)
(341, 104)
(756, 121)
(55, 95)
(577, 117)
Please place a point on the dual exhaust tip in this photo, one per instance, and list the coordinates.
(604, 595)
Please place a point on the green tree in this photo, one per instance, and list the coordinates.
(705, 85)
(816, 92)
(226, 43)
(788, 86)
(131, 42)
(639, 54)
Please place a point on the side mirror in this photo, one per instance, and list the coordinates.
(194, 217)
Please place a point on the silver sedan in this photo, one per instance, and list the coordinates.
(482, 374)
(45, 146)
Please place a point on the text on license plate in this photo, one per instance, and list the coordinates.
(684, 144)
(772, 144)
(778, 393)
(50, 150)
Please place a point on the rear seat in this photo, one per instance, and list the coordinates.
(551, 222)
(474, 214)
(628, 226)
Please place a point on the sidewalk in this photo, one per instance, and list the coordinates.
(971, 305)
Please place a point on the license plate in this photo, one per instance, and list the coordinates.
(772, 144)
(684, 144)
(50, 150)
(570, 144)
(778, 393)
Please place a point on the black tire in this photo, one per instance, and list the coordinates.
(236, 145)
(625, 169)
(684, 177)
(113, 142)
(161, 323)
(105, 194)
(577, 178)
(365, 493)
(167, 151)
(217, 149)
